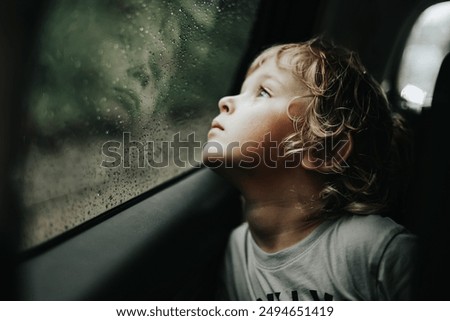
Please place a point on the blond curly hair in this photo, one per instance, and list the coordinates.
(344, 101)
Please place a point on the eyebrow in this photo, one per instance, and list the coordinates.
(275, 80)
(266, 77)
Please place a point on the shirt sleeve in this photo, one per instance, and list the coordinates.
(397, 268)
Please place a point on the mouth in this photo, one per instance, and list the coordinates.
(215, 128)
(217, 125)
(128, 99)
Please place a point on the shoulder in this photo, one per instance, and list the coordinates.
(236, 253)
(375, 253)
(368, 237)
(366, 228)
(238, 238)
(240, 231)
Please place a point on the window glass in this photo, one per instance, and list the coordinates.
(425, 49)
(122, 95)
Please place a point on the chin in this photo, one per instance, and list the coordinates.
(213, 155)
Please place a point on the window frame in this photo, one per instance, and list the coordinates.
(138, 255)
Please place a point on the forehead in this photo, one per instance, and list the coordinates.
(275, 71)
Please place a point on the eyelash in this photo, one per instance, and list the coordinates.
(262, 92)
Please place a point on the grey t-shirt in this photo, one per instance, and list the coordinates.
(351, 258)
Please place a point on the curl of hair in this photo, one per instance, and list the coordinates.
(344, 100)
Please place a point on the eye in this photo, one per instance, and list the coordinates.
(262, 92)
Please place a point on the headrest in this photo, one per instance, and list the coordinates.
(441, 93)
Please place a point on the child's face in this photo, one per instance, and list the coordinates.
(248, 121)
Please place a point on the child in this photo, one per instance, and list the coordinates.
(308, 142)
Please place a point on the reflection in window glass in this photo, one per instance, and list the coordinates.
(122, 95)
(426, 47)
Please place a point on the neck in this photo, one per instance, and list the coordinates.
(279, 204)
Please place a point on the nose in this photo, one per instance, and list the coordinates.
(226, 104)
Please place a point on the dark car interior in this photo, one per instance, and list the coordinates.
(175, 253)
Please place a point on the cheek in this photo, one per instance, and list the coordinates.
(275, 121)
(264, 137)
(277, 126)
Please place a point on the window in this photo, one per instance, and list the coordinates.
(121, 99)
(425, 49)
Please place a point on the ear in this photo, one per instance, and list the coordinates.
(330, 157)
(296, 107)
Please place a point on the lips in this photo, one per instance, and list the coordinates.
(128, 99)
(216, 127)
(216, 124)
